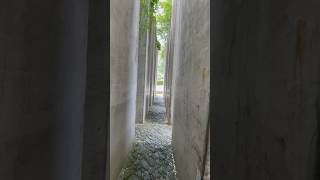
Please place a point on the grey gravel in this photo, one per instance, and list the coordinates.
(151, 156)
(157, 111)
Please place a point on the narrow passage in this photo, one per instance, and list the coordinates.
(151, 157)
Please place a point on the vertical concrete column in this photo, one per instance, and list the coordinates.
(190, 87)
(142, 61)
(43, 62)
(96, 131)
(266, 89)
(147, 69)
(154, 60)
(150, 64)
(151, 48)
(168, 67)
(166, 79)
(124, 27)
(146, 82)
(155, 73)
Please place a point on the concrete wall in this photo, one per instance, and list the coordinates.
(96, 130)
(153, 59)
(42, 88)
(190, 86)
(142, 61)
(266, 89)
(124, 20)
(147, 63)
(206, 173)
(151, 63)
(168, 67)
(154, 70)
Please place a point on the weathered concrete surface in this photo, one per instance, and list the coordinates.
(266, 89)
(154, 72)
(42, 88)
(190, 86)
(150, 66)
(142, 61)
(169, 70)
(206, 173)
(124, 28)
(96, 131)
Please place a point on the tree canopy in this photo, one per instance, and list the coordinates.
(163, 16)
(160, 10)
(162, 13)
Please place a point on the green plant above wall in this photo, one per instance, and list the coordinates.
(163, 17)
(154, 5)
(158, 44)
(162, 14)
(158, 10)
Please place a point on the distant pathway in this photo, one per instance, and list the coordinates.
(151, 157)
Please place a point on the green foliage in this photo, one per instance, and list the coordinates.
(145, 17)
(160, 11)
(158, 45)
(163, 16)
(163, 19)
(154, 5)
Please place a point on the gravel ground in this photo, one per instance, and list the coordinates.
(151, 157)
(157, 111)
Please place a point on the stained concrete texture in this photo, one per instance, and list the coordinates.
(189, 58)
(168, 69)
(96, 132)
(150, 65)
(43, 59)
(124, 26)
(152, 156)
(266, 89)
(142, 60)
